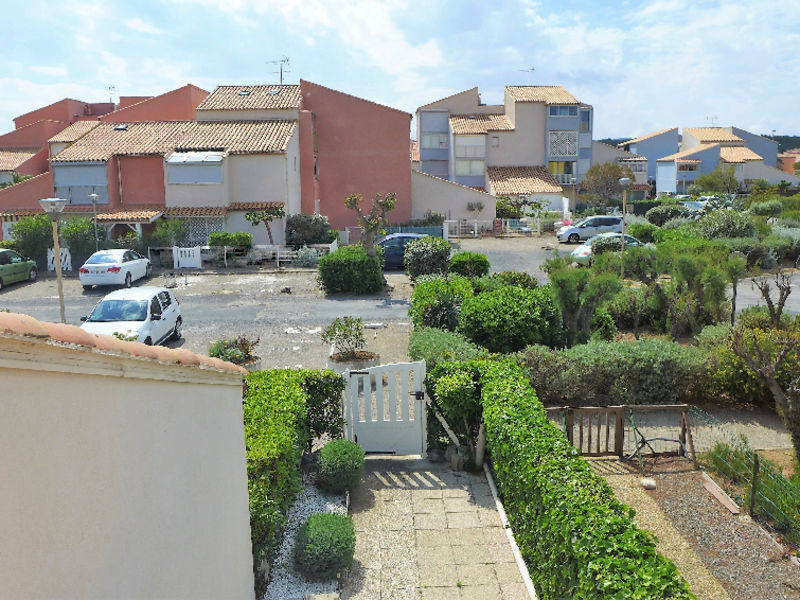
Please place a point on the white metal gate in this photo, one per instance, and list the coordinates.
(187, 258)
(384, 408)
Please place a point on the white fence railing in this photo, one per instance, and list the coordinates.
(66, 260)
(196, 257)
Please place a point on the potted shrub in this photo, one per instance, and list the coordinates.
(346, 336)
(324, 546)
(237, 350)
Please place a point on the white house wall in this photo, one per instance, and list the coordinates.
(446, 198)
(293, 175)
(235, 221)
(121, 478)
(258, 178)
(525, 145)
(758, 170)
(206, 194)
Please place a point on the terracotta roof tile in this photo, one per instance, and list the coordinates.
(131, 215)
(549, 94)
(137, 139)
(237, 206)
(195, 211)
(647, 136)
(16, 324)
(11, 159)
(707, 135)
(257, 97)
(238, 137)
(683, 155)
(738, 154)
(522, 180)
(72, 132)
(480, 123)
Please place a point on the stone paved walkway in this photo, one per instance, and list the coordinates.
(424, 532)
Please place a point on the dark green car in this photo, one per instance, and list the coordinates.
(14, 267)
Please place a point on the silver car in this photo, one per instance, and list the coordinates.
(589, 227)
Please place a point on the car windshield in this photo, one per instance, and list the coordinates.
(96, 259)
(579, 223)
(119, 310)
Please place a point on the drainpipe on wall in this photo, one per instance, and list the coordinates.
(119, 179)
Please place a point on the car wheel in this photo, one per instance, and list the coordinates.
(148, 342)
(32, 274)
(176, 333)
(573, 238)
(86, 288)
(148, 272)
(128, 279)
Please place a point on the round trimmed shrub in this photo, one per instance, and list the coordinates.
(487, 283)
(606, 244)
(324, 546)
(510, 318)
(658, 215)
(469, 264)
(426, 255)
(431, 289)
(642, 232)
(340, 465)
(350, 269)
(443, 312)
(770, 208)
(726, 223)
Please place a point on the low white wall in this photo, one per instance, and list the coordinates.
(120, 478)
(447, 198)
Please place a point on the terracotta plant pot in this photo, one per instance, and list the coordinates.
(362, 360)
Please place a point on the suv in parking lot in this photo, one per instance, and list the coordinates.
(589, 227)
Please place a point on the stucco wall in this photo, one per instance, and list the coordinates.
(764, 147)
(446, 198)
(656, 147)
(142, 180)
(362, 148)
(258, 178)
(175, 105)
(32, 136)
(758, 170)
(525, 146)
(235, 221)
(120, 485)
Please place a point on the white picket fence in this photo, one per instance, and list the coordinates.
(66, 260)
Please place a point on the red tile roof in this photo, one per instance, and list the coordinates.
(549, 94)
(19, 325)
(131, 214)
(237, 206)
(522, 180)
(11, 159)
(479, 123)
(72, 132)
(712, 134)
(257, 97)
(195, 211)
(238, 137)
(738, 154)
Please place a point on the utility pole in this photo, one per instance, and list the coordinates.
(281, 70)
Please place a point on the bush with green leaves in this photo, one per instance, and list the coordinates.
(652, 371)
(78, 236)
(510, 318)
(488, 283)
(676, 223)
(642, 232)
(581, 541)
(347, 336)
(606, 244)
(237, 239)
(658, 215)
(469, 264)
(324, 546)
(170, 232)
(603, 327)
(306, 257)
(429, 290)
(340, 465)
(443, 312)
(726, 223)
(437, 345)
(350, 269)
(238, 350)
(769, 208)
(302, 230)
(323, 390)
(33, 236)
(426, 255)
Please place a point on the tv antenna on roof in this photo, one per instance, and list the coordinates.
(280, 63)
(529, 71)
(111, 89)
(713, 120)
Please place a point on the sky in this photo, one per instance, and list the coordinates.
(644, 66)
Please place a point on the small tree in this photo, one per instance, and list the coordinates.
(256, 217)
(735, 268)
(170, 232)
(373, 222)
(347, 336)
(78, 235)
(33, 236)
(602, 180)
(536, 209)
(721, 180)
(474, 208)
(579, 292)
(783, 283)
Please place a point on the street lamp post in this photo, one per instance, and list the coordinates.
(624, 182)
(94, 198)
(53, 207)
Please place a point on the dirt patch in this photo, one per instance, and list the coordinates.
(782, 458)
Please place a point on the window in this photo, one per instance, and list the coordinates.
(435, 140)
(155, 307)
(585, 123)
(194, 167)
(469, 167)
(473, 146)
(561, 167)
(164, 299)
(563, 111)
(495, 141)
(637, 167)
(563, 143)
(687, 167)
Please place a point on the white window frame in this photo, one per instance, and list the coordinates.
(558, 107)
(473, 168)
(441, 141)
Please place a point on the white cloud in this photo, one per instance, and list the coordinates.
(143, 27)
(50, 70)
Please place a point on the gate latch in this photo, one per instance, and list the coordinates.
(419, 395)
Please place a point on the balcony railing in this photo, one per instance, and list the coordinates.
(564, 178)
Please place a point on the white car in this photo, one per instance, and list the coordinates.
(147, 314)
(589, 227)
(113, 267)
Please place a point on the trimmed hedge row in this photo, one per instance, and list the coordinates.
(281, 410)
(350, 269)
(580, 541)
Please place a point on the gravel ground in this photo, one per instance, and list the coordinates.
(286, 584)
(737, 551)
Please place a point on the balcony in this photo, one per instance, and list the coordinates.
(564, 178)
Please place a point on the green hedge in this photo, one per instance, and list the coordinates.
(430, 289)
(580, 542)
(350, 269)
(238, 239)
(435, 345)
(426, 255)
(279, 408)
(510, 318)
(469, 264)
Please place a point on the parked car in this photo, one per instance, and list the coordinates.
(394, 246)
(113, 267)
(15, 267)
(149, 314)
(589, 227)
(583, 253)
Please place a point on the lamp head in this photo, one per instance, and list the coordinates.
(53, 206)
(624, 181)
